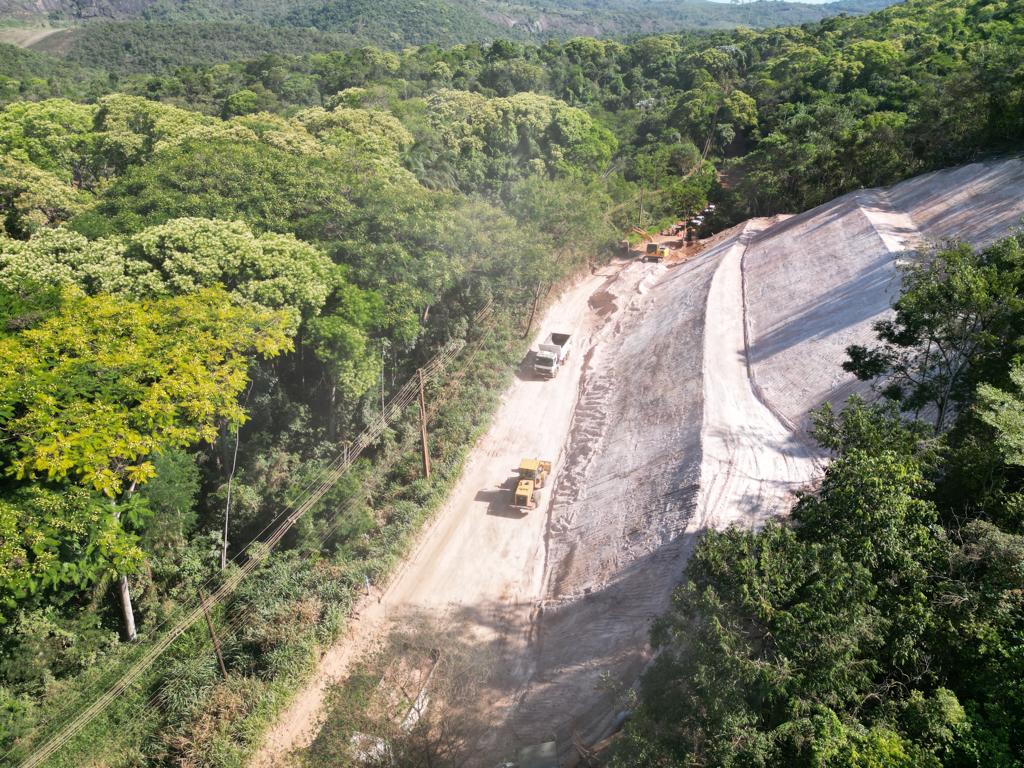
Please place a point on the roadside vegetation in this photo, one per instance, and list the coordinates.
(210, 278)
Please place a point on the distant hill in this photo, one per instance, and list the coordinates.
(135, 36)
(399, 22)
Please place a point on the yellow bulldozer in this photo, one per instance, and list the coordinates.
(532, 475)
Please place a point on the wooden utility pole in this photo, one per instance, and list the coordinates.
(213, 636)
(423, 428)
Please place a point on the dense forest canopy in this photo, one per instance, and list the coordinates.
(212, 276)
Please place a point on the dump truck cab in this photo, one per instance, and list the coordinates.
(526, 495)
(553, 351)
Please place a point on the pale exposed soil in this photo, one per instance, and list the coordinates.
(816, 283)
(26, 37)
(682, 408)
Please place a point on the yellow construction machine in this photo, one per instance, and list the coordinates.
(653, 251)
(532, 475)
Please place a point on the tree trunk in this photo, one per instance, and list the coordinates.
(331, 425)
(123, 592)
(130, 634)
(227, 507)
(533, 311)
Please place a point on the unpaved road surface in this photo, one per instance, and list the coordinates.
(26, 37)
(482, 561)
(684, 407)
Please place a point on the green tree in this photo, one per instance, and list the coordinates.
(52, 538)
(955, 307)
(31, 199)
(93, 392)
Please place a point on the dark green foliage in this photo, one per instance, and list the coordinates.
(141, 47)
(26, 74)
(954, 324)
(271, 189)
(160, 36)
(792, 117)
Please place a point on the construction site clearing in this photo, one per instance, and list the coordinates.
(684, 407)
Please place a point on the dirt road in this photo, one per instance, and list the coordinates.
(481, 558)
(26, 37)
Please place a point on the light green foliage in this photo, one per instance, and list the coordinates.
(1004, 411)
(182, 256)
(92, 392)
(343, 347)
(52, 135)
(341, 342)
(273, 270)
(496, 140)
(31, 198)
(373, 130)
(60, 257)
(54, 538)
(131, 128)
(270, 189)
(837, 745)
(571, 215)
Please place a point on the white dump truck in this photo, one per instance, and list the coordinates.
(552, 353)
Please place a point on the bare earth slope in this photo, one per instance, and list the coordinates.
(681, 410)
(817, 282)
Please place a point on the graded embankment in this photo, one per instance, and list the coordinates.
(816, 283)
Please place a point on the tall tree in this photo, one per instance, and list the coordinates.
(91, 393)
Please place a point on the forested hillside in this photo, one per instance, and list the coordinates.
(160, 36)
(403, 22)
(212, 278)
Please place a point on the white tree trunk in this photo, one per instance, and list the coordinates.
(123, 591)
(127, 612)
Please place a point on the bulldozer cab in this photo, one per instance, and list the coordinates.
(524, 494)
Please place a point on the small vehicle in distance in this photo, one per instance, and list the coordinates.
(655, 253)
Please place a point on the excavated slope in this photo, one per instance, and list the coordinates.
(817, 282)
